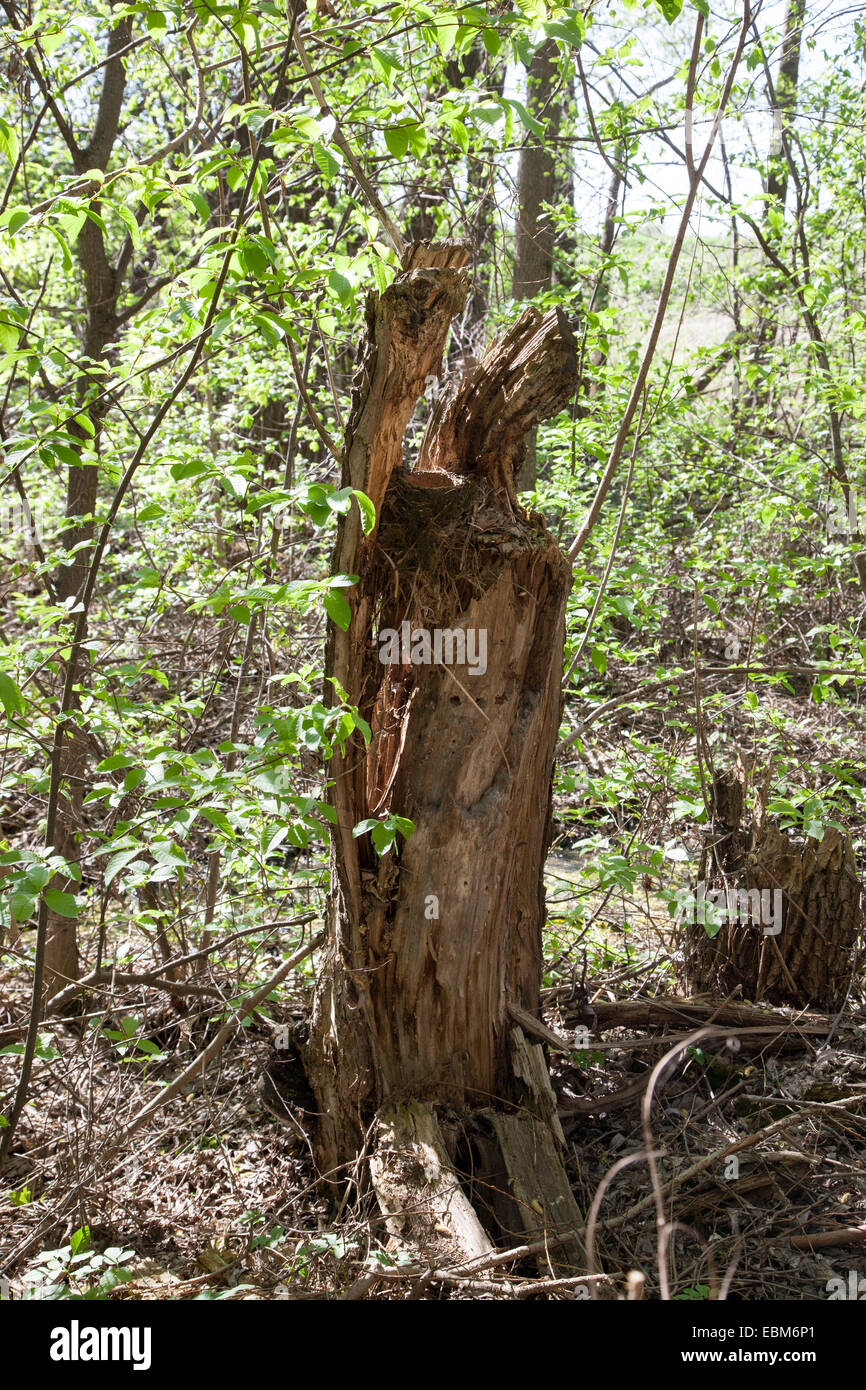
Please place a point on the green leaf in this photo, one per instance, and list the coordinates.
(669, 8)
(10, 696)
(337, 609)
(326, 161)
(21, 905)
(199, 202)
(386, 67)
(368, 511)
(51, 39)
(571, 31)
(446, 33)
(115, 762)
(119, 861)
(9, 142)
(190, 468)
(396, 139)
(459, 131)
(254, 260)
(340, 501)
(360, 723)
(527, 120)
(80, 1240)
(9, 335)
(307, 127)
(219, 819)
(341, 286)
(383, 838)
(274, 781)
(64, 904)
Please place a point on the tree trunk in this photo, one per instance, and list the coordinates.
(791, 907)
(783, 95)
(429, 945)
(101, 284)
(536, 190)
(787, 79)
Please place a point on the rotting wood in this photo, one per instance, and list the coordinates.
(425, 1208)
(428, 946)
(792, 912)
(543, 1198)
(411, 1003)
(645, 1013)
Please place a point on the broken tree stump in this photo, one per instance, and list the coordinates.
(792, 908)
(453, 656)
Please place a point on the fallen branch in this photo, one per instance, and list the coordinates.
(819, 1240)
(645, 1013)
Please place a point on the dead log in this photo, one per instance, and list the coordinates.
(648, 1013)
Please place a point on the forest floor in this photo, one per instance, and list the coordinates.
(215, 1198)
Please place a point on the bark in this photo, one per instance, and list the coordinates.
(783, 96)
(813, 958)
(592, 385)
(101, 286)
(536, 192)
(422, 1200)
(536, 182)
(427, 947)
(785, 101)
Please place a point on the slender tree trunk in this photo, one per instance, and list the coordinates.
(776, 183)
(430, 947)
(101, 285)
(784, 98)
(601, 295)
(536, 192)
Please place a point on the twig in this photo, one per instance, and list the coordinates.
(389, 226)
(664, 296)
